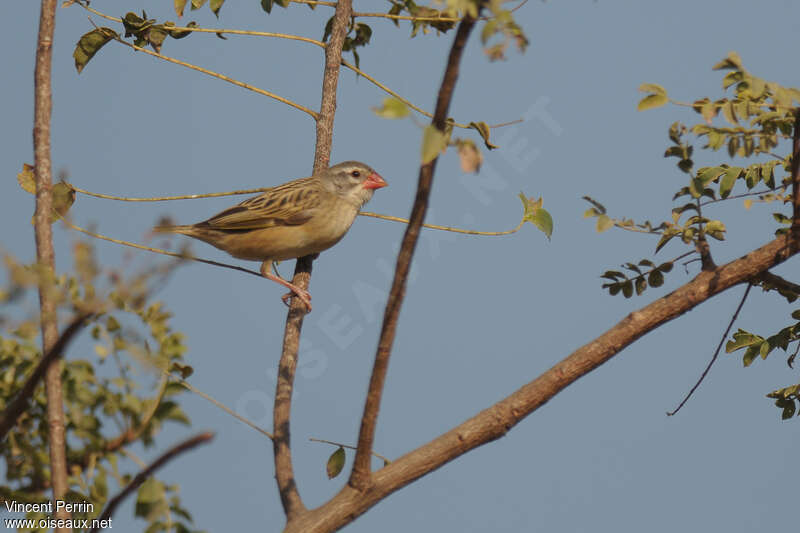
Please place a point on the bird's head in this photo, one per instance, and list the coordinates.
(354, 181)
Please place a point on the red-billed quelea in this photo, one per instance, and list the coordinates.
(298, 218)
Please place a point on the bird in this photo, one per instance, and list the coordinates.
(301, 217)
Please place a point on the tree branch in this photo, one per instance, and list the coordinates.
(360, 477)
(140, 478)
(9, 417)
(495, 421)
(45, 256)
(284, 472)
(796, 176)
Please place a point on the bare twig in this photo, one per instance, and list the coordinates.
(140, 478)
(716, 352)
(217, 75)
(9, 417)
(360, 477)
(45, 256)
(284, 471)
(158, 250)
(383, 458)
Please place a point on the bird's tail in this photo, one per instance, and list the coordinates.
(185, 230)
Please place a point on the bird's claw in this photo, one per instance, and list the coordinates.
(304, 296)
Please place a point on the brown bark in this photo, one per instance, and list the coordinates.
(495, 421)
(284, 472)
(45, 255)
(360, 476)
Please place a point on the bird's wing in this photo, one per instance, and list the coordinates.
(289, 204)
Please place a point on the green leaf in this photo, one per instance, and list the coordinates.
(627, 289)
(89, 44)
(433, 143)
(655, 278)
(215, 6)
(651, 101)
(728, 181)
(392, 108)
(483, 129)
(665, 238)
(710, 174)
(63, 198)
(536, 215)
(335, 463)
(716, 229)
(544, 222)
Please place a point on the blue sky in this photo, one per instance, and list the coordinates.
(482, 315)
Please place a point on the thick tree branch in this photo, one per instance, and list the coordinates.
(360, 478)
(495, 421)
(142, 476)
(284, 472)
(9, 417)
(45, 256)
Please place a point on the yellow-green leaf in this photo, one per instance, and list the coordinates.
(26, 179)
(433, 143)
(653, 88)
(651, 101)
(536, 215)
(179, 7)
(335, 463)
(483, 129)
(604, 222)
(392, 108)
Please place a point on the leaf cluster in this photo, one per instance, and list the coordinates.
(107, 407)
(787, 399)
(624, 283)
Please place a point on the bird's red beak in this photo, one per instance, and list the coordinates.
(374, 181)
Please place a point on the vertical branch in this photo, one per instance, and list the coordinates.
(284, 472)
(796, 176)
(45, 256)
(360, 478)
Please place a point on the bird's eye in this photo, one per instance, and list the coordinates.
(355, 174)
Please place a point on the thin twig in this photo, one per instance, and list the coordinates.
(166, 198)
(222, 406)
(158, 250)
(9, 417)
(446, 228)
(323, 441)
(217, 31)
(140, 478)
(262, 189)
(217, 75)
(742, 195)
(716, 352)
(361, 475)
